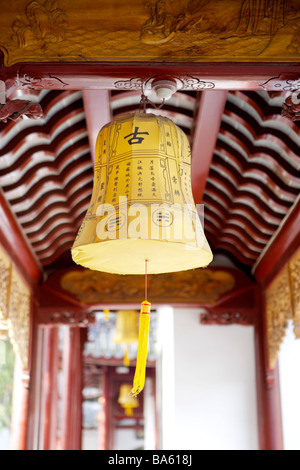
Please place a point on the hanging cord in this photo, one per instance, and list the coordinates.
(146, 279)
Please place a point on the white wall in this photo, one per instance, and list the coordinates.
(289, 373)
(125, 439)
(209, 388)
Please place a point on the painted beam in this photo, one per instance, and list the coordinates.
(211, 108)
(281, 247)
(16, 244)
(129, 76)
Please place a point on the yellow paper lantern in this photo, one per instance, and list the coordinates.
(142, 205)
(127, 400)
(142, 213)
(126, 331)
(126, 327)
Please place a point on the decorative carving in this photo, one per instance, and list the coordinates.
(161, 26)
(194, 286)
(131, 84)
(185, 83)
(291, 106)
(280, 83)
(14, 308)
(278, 311)
(45, 24)
(5, 273)
(70, 318)
(192, 83)
(228, 318)
(19, 317)
(39, 83)
(13, 109)
(183, 30)
(294, 271)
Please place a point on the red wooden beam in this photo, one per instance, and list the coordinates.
(281, 246)
(97, 113)
(211, 108)
(234, 76)
(16, 244)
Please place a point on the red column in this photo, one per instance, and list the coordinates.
(49, 388)
(268, 390)
(72, 389)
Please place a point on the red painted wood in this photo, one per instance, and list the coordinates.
(50, 388)
(284, 243)
(35, 389)
(235, 76)
(267, 391)
(208, 121)
(72, 390)
(16, 245)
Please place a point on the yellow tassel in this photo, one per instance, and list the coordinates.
(126, 360)
(106, 314)
(140, 370)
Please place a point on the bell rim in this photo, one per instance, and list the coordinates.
(191, 261)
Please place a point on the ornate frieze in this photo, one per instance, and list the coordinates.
(282, 305)
(160, 31)
(5, 273)
(294, 272)
(15, 307)
(19, 317)
(193, 286)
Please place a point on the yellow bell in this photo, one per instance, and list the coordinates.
(142, 205)
(126, 400)
(126, 327)
(126, 331)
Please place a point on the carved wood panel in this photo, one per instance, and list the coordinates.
(160, 31)
(5, 272)
(193, 286)
(15, 307)
(282, 305)
(294, 272)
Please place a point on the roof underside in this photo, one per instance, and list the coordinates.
(46, 170)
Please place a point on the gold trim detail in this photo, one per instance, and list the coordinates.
(282, 305)
(15, 308)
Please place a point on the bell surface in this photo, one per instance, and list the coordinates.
(125, 398)
(142, 205)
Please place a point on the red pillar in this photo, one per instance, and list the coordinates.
(268, 390)
(49, 388)
(72, 389)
